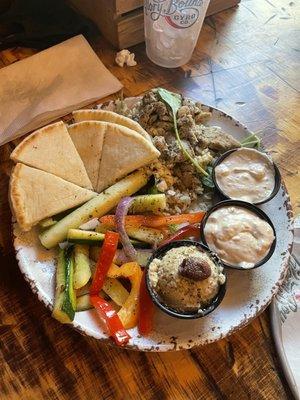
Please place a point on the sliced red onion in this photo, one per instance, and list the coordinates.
(120, 257)
(90, 225)
(121, 212)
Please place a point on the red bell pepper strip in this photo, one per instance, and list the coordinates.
(155, 221)
(105, 260)
(111, 320)
(184, 232)
(146, 309)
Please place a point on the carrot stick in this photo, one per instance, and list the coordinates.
(155, 221)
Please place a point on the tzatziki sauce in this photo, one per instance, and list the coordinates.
(246, 174)
(239, 236)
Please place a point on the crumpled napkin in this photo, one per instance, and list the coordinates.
(50, 84)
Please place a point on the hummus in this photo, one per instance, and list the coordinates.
(246, 174)
(239, 236)
(185, 278)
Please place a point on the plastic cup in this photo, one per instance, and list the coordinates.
(172, 28)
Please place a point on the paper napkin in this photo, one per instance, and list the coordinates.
(50, 84)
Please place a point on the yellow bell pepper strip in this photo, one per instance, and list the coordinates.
(111, 320)
(146, 309)
(111, 287)
(128, 313)
(105, 260)
(115, 290)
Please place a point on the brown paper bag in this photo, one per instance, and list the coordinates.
(50, 84)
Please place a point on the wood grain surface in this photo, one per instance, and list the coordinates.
(246, 63)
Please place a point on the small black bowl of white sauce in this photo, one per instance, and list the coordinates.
(246, 174)
(241, 234)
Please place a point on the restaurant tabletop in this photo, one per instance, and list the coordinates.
(245, 63)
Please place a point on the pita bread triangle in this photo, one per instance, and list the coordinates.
(52, 150)
(35, 195)
(124, 150)
(109, 116)
(88, 137)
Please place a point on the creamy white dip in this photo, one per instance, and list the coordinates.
(239, 236)
(246, 174)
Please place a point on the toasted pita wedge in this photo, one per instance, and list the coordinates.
(124, 150)
(109, 116)
(51, 149)
(35, 195)
(88, 139)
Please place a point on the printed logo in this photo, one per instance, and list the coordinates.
(179, 14)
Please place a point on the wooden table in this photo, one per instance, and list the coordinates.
(245, 63)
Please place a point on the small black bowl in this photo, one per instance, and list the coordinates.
(277, 177)
(251, 207)
(159, 253)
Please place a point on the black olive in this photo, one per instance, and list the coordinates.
(195, 269)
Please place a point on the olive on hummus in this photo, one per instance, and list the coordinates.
(185, 278)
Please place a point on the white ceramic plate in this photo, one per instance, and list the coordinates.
(248, 292)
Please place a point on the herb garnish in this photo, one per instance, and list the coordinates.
(251, 141)
(174, 100)
(173, 228)
(208, 180)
